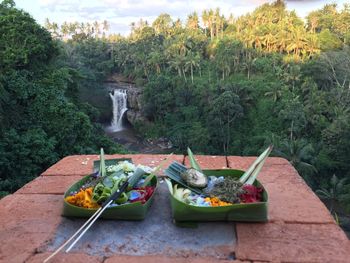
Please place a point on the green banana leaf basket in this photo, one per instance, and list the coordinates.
(130, 211)
(250, 212)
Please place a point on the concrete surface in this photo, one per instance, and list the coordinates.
(156, 235)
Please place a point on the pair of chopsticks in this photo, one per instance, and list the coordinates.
(84, 228)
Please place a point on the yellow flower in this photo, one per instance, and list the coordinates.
(83, 199)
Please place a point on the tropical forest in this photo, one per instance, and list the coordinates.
(222, 85)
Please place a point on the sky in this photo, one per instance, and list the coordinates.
(120, 13)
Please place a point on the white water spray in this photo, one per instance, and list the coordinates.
(119, 99)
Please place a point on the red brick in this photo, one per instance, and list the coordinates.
(209, 162)
(65, 257)
(74, 165)
(49, 185)
(243, 163)
(239, 162)
(27, 222)
(279, 242)
(83, 164)
(291, 200)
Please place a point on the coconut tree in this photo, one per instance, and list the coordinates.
(176, 62)
(300, 154)
(211, 21)
(105, 25)
(275, 92)
(162, 24)
(334, 193)
(298, 40)
(205, 19)
(192, 61)
(64, 29)
(192, 21)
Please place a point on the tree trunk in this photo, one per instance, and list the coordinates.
(179, 71)
(183, 72)
(192, 73)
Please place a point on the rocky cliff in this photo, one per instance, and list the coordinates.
(135, 112)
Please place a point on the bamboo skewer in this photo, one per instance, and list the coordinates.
(84, 228)
(73, 236)
(87, 228)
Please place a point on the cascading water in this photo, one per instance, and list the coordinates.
(119, 99)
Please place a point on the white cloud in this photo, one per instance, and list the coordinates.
(120, 13)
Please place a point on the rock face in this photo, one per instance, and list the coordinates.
(134, 113)
(135, 108)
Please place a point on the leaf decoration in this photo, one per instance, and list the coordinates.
(102, 163)
(193, 161)
(250, 175)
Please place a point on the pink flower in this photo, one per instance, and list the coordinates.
(252, 194)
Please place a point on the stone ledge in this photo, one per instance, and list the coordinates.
(278, 242)
(300, 228)
(209, 162)
(26, 223)
(49, 185)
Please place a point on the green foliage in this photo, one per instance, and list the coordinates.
(22, 154)
(42, 118)
(24, 44)
(225, 110)
(329, 40)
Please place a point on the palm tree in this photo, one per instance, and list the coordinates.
(292, 75)
(192, 61)
(218, 22)
(155, 59)
(177, 63)
(162, 24)
(313, 45)
(105, 25)
(47, 24)
(298, 41)
(64, 29)
(205, 16)
(97, 30)
(275, 92)
(192, 21)
(211, 23)
(313, 21)
(299, 153)
(334, 193)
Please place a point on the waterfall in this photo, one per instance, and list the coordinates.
(119, 99)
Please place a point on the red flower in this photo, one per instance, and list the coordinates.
(145, 194)
(252, 194)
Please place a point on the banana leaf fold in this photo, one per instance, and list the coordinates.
(128, 211)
